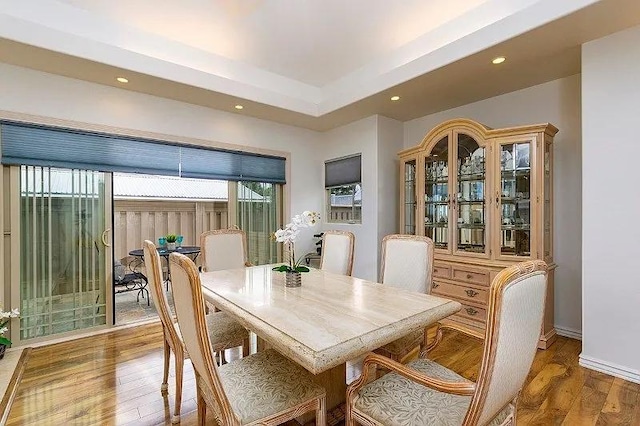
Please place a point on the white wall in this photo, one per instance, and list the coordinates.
(27, 91)
(390, 142)
(358, 137)
(556, 102)
(610, 204)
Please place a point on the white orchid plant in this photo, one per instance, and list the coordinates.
(5, 317)
(288, 235)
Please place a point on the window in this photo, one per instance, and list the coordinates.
(344, 189)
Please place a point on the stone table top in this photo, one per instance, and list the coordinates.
(328, 320)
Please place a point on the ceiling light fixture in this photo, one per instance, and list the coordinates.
(122, 80)
(395, 98)
(239, 107)
(498, 60)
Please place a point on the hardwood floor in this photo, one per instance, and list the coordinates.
(115, 379)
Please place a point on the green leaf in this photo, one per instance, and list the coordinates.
(302, 269)
(5, 341)
(282, 268)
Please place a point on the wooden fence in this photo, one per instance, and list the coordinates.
(138, 220)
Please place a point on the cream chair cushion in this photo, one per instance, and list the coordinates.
(406, 265)
(337, 253)
(394, 400)
(265, 384)
(223, 251)
(518, 333)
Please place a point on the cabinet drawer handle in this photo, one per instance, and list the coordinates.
(435, 270)
(471, 311)
(435, 285)
(469, 276)
(471, 293)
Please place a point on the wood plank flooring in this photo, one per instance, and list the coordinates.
(115, 378)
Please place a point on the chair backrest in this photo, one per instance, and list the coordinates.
(223, 249)
(190, 310)
(516, 309)
(407, 262)
(154, 278)
(337, 252)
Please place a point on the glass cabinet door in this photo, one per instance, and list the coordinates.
(471, 211)
(410, 202)
(436, 194)
(515, 198)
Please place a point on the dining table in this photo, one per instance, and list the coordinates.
(327, 321)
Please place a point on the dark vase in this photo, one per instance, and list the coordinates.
(2, 349)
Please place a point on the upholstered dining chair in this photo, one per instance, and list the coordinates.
(262, 389)
(226, 333)
(223, 249)
(407, 262)
(337, 252)
(423, 392)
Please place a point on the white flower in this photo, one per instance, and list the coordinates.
(4, 330)
(15, 313)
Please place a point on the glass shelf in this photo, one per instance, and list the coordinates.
(471, 225)
(437, 203)
(436, 225)
(471, 178)
(471, 201)
(434, 182)
(515, 227)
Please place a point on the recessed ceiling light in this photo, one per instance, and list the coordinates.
(395, 98)
(122, 80)
(499, 60)
(239, 107)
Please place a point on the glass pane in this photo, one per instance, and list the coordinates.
(436, 194)
(410, 201)
(547, 200)
(258, 218)
(515, 217)
(471, 195)
(62, 260)
(344, 204)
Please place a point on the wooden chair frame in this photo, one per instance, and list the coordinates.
(172, 341)
(478, 391)
(203, 238)
(420, 342)
(352, 241)
(213, 392)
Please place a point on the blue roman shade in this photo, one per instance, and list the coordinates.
(35, 145)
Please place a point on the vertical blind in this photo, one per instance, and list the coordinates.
(36, 145)
(343, 171)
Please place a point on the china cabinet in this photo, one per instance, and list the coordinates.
(485, 198)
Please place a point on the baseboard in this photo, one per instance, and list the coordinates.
(610, 368)
(569, 332)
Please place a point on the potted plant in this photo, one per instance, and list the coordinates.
(5, 317)
(288, 236)
(171, 241)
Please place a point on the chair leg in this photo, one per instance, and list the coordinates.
(202, 407)
(348, 416)
(245, 347)
(321, 412)
(165, 377)
(179, 355)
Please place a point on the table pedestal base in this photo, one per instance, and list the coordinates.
(335, 383)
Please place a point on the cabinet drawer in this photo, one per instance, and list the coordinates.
(473, 312)
(472, 276)
(441, 271)
(460, 292)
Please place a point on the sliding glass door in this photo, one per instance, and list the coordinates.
(65, 254)
(258, 214)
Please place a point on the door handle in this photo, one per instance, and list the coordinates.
(104, 238)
